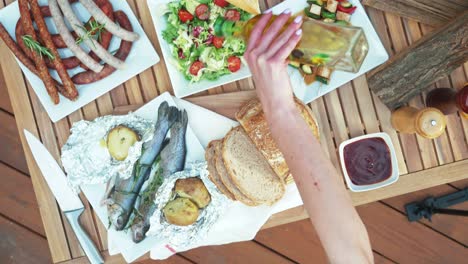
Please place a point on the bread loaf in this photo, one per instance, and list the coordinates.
(224, 176)
(252, 119)
(249, 170)
(210, 156)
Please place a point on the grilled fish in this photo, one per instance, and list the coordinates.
(172, 161)
(122, 194)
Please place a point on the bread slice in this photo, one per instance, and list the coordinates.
(223, 175)
(253, 120)
(251, 6)
(249, 170)
(210, 156)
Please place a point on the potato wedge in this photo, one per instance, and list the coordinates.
(119, 141)
(194, 189)
(181, 212)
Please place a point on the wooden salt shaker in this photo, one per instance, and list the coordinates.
(427, 122)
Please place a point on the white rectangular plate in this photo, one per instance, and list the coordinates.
(376, 56)
(182, 87)
(141, 57)
(94, 193)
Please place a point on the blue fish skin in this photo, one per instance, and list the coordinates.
(172, 161)
(122, 197)
(167, 115)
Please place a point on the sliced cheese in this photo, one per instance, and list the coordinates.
(332, 5)
(316, 9)
(251, 6)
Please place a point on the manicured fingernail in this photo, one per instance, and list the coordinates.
(287, 11)
(299, 32)
(298, 19)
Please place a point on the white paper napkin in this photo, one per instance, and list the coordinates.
(239, 222)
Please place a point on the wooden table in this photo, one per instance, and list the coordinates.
(347, 112)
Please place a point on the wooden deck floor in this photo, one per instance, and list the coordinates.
(394, 239)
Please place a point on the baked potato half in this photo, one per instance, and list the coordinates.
(193, 189)
(181, 212)
(119, 141)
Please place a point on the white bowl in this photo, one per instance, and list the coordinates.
(394, 163)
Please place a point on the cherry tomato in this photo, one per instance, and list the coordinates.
(232, 15)
(203, 12)
(221, 3)
(234, 63)
(185, 16)
(196, 67)
(218, 42)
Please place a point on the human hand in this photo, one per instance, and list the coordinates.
(267, 55)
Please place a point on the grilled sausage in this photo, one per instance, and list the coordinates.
(122, 53)
(106, 36)
(38, 60)
(90, 42)
(57, 61)
(69, 40)
(70, 62)
(109, 24)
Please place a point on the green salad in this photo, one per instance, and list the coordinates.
(197, 52)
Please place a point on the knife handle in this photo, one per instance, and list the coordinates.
(86, 243)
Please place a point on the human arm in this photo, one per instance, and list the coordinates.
(327, 202)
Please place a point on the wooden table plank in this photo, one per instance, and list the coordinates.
(408, 142)
(118, 259)
(18, 245)
(336, 117)
(119, 96)
(232, 253)
(406, 242)
(383, 113)
(426, 146)
(4, 97)
(18, 201)
(445, 224)
(366, 105)
(11, 151)
(159, 70)
(326, 139)
(48, 139)
(350, 110)
(25, 120)
(433, 12)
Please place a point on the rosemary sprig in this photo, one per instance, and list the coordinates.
(37, 47)
(94, 32)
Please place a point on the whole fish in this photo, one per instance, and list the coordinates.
(122, 194)
(172, 160)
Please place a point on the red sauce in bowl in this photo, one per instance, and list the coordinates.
(368, 161)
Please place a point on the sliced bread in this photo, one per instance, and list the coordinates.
(249, 170)
(210, 156)
(252, 119)
(223, 175)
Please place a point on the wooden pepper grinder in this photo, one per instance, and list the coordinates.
(427, 122)
(449, 100)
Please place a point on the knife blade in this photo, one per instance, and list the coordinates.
(67, 199)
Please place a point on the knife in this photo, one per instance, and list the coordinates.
(68, 201)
